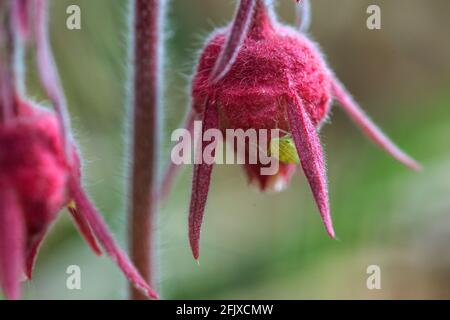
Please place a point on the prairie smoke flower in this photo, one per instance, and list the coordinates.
(36, 182)
(259, 74)
(40, 170)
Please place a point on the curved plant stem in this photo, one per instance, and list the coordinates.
(7, 72)
(146, 89)
(48, 72)
(303, 15)
(236, 37)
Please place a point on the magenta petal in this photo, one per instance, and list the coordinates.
(236, 37)
(85, 229)
(369, 128)
(12, 243)
(172, 169)
(96, 222)
(200, 181)
(311, 156)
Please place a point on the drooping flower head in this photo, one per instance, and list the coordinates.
(40, 168)
(259, 74)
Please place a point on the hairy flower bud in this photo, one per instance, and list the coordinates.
(275, 78)
(36, 182)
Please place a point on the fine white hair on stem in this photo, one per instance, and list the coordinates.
(48, 72)
(236, 36)
(146, 61)
(304, 15)
(8, 57)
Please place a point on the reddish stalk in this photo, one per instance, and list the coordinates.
(235, 39)
(48, 72)
(146, 90)
(7, 75)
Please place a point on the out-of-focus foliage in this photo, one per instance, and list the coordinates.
(273, 246)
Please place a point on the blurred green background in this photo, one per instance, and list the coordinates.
(272, 246)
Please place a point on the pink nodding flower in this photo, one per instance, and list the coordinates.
(40, 170)
(36, 182)
(257, 73)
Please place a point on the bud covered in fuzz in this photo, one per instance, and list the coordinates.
(259, 74)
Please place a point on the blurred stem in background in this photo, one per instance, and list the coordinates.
(7, 74)
(144, 132)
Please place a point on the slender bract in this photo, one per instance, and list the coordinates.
(12, 242)
(369, 128)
